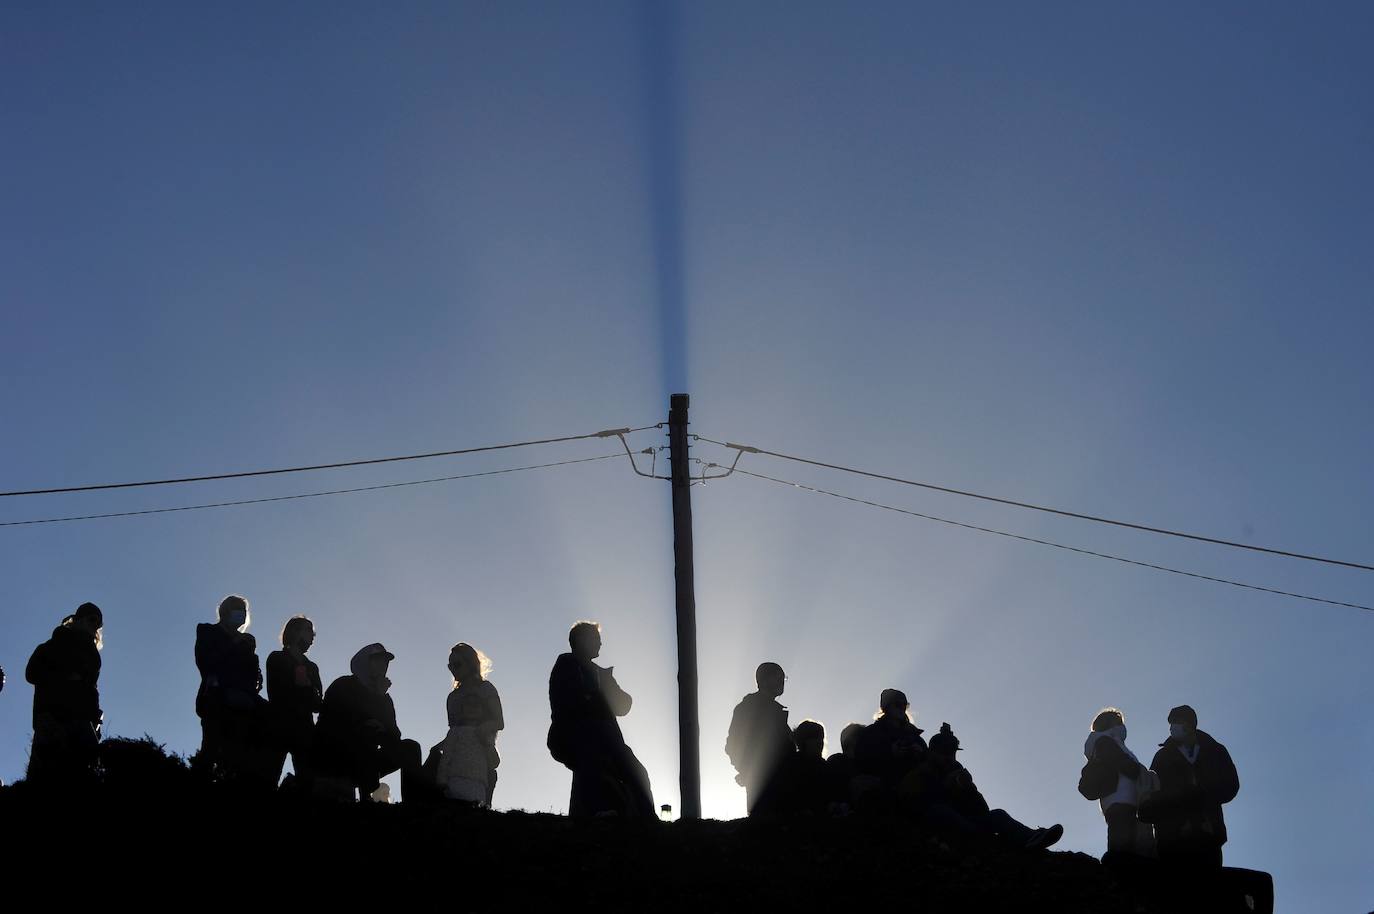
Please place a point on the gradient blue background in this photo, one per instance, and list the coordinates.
(1108, 258)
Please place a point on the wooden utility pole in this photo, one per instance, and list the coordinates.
(689, 728)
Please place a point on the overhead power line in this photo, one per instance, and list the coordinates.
(1031, 539)
(259, 501)
(608, 433)
(747, 449)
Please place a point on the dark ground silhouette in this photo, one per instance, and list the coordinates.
(149, 818)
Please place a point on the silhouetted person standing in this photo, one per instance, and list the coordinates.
(357, 736)
(65, 673)
(1106, 745)
(295, 695)
(467, 770)
(759, 742)
(1196, 776)
(584, 702)
(236, 741)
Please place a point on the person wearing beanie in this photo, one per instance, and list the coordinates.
(952, 802)
(1196, 776)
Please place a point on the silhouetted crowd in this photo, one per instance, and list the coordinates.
(344, 739)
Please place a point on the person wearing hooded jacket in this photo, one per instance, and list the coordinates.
(1106, 743)
(357, 737)
(1196, 776)
(65, 674)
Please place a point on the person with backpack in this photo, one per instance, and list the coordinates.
(65, 674)
(759, 742)
(1115, 778)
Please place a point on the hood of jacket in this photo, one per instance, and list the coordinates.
(1091, 742)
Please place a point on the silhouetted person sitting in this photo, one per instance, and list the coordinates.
(467, 768)
(805, 779)
(1196, 776)
(236, 735)
(65, 673)
(584, 702)
(951, 802)
(759, 742)
(357, 737)
(295, 695)
(891, 747)
(842, 769)
(1127, 836)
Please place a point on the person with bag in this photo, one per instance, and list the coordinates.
(1107, 755)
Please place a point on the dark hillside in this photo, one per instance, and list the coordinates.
(152, 819)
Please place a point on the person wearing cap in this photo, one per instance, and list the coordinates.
(236, 741)
(953, 803)
(65, 674)
(357, 737)
(759, 742)
(1196, 776)
(584, 736)
(891, 746)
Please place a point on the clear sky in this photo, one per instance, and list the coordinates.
(1110, 258)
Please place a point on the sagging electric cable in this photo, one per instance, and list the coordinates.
(749, 449)
(1041, 542)
(608, 433)
(259, 501)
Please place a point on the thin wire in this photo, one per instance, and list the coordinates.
(1031, 539)
(744, 448)
(330, 466)
(258, 501)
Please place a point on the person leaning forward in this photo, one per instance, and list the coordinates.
(357, 736)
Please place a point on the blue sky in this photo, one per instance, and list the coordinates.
(1110, 259)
